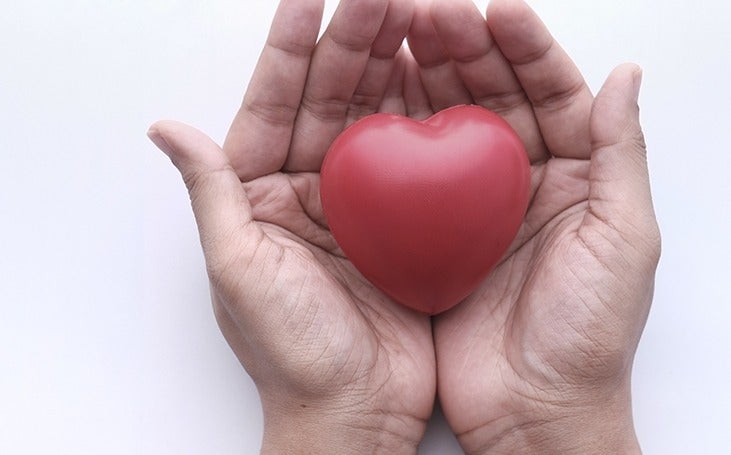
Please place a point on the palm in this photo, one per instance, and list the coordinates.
(551, 321)
(371, 342)
(527, 329)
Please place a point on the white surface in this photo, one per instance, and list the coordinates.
(107, 341)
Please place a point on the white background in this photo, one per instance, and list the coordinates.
(107, 341)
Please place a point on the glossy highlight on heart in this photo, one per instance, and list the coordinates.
(425, 210)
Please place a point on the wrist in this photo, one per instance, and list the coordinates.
(578, 426)
(300, 427)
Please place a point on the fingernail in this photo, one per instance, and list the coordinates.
(159, 141)
(637, 83)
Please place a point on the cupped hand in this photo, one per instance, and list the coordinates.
(340, 368)
(538, 360)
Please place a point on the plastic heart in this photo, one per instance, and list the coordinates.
(425, 210)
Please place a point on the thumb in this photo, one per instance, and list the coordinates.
(619, 194)
(219, 202)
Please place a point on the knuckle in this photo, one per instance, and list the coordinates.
(501, 103)
(325, 109)
(272, 113)
(352, 42)
(559, 97)
(364, 104)
(291, 48)
(535, 55)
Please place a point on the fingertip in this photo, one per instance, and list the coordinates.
(632, 72)
(423, 39)
(637, 75)
(154, 133)
(454, 13)
(499, 7)
(444, 6)
(297, 24)
(215, 191)
(165, 128)
(520, 33)
(187, 146)
(420, 24)
(461, 28)
(395, 27)
(627, 79)
(403, 7)
(164, 134)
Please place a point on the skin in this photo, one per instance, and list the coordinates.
(538, 359)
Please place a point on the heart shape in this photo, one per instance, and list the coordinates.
(425, 210)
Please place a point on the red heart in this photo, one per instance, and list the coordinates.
(424, 210)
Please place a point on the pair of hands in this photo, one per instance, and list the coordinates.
(538, 359)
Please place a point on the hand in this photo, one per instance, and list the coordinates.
(538, 360)
(340, 368)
